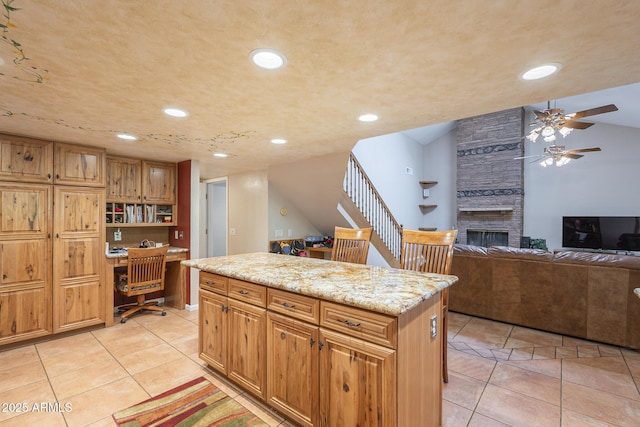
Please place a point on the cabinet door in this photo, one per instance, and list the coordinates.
(26, 160)
(124, 180)
(78, 248)
(25, 260)
(292, 368)
(78, 165)
(247, 345)
(357, 385)
(212, 337)
(158, 182)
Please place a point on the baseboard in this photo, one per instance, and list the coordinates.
(189, 307)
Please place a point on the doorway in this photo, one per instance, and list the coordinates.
(217, 218)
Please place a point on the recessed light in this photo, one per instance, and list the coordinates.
(541, 72)
(126, 137)
(368, 118)
(175, 112)
(221, 155)
(270, 59)
(278, 141)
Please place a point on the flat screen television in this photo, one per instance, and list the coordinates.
(601, 232)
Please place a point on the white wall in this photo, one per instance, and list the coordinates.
(385, 160)
(599, 184)
(440, 158)
(292, 225)
(248, 212)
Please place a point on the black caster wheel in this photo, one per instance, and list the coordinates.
(123, 320)
(164, 313)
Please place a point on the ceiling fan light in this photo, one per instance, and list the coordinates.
(549, 161)
(543, 163)
(533, 135)
(547, 131)
(565, 131)
(550, 138)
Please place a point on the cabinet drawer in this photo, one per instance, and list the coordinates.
(214, 282)
(248, 292)
(294, 305)
(372, 327)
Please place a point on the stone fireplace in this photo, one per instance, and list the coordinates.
(490, 183)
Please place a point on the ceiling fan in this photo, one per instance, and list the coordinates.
(559, 155)
(549, 121)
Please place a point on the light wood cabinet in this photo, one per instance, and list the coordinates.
(124, 180)
(293, 368)
(78, 165)
(51, 238)
(326, 364)
(158, 182)
(25, 261)
(78, 245)
(26, 160)
(357, 385)
(140, 193)
(213, 330)
(247, 342)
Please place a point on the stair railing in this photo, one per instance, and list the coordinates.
(364, 195)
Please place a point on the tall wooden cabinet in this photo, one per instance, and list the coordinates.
(25, 261)
(78, 247)
(51, 237)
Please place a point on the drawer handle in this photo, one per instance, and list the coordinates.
(351, 324)
(243, 292)
(208, 282)
(287, 305)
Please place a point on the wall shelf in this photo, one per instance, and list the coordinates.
(496, 209)
(425, 184)
(428, 206)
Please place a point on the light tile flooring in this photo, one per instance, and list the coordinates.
(499, 375)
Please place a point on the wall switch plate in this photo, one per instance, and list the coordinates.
(175, 234)
(232, 231)
(425, 193)
(434, 326)
(279, 233)
(289, 233)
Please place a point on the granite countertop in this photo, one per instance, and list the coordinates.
(383, 290)
(123, 253)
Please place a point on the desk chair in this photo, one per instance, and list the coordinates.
(145, 274)
(351, 244)
(431, 252)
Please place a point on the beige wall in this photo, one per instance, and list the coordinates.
(248, 212)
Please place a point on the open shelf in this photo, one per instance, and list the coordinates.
(425, 184)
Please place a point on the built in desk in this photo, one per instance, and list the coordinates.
(174, 282)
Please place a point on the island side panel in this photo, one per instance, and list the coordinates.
(419, 366)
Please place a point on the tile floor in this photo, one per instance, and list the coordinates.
(499, 375)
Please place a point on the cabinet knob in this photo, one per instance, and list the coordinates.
(320, 345)
(311, 342)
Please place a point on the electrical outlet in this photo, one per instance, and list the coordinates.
(117, 236)
(289, 232)
(232, 231)
(181, 235)
(434, 326)
(279, 233)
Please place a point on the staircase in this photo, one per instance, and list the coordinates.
(366, 208)
(306, 182)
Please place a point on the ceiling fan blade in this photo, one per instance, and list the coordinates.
(541, 114)
(526, 157)
(572, 156)
(576, 125)
(593, 111)
(584, 150)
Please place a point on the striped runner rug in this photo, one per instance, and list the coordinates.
(195, 403)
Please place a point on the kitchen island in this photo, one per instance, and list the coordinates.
(324, 342)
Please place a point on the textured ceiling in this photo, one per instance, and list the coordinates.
(82, 71)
